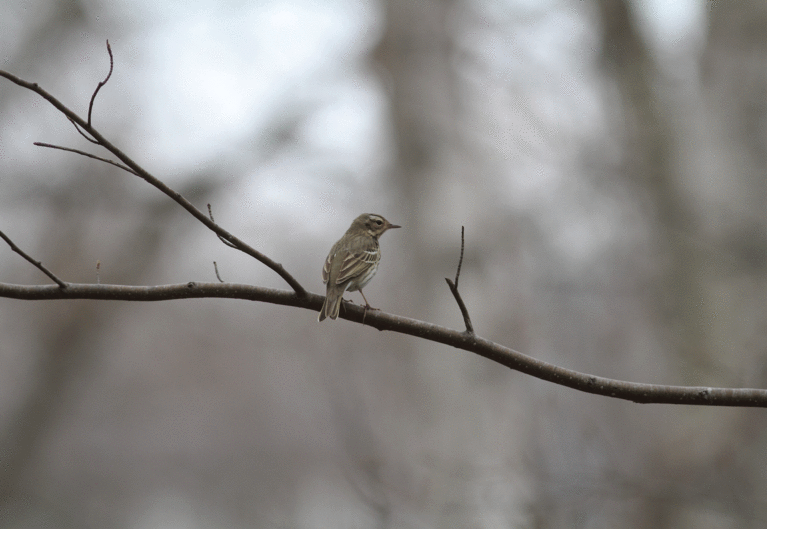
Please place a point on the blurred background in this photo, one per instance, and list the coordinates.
(607, 159)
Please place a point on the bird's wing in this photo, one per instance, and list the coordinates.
(357, 259)
(326, 268)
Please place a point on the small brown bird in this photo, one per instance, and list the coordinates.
(352, 262)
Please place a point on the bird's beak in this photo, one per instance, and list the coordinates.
(392, 226)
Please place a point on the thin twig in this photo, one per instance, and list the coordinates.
(216, 271)
(460, 258)
(99, 85)
(224, 241)
(34, 262)
(456, 294)
(83, 133)
(81, 152)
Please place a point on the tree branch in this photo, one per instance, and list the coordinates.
(152, 180)
(467, 340)
(34, 262)
(635, 392)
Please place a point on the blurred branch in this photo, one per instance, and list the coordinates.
(152, 180)
(635, 392)
(454, 289)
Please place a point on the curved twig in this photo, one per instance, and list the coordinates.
(216, 271)
(99, 85)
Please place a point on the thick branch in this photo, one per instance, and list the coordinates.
(152, 180)
(635, 392)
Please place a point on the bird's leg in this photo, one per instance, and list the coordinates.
(366, 302)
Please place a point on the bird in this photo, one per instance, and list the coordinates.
(352, 262)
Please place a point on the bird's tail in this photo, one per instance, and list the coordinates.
(331, 307)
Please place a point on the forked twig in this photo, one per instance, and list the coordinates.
(94, 95)
(454, 289)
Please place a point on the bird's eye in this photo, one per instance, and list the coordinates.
(379, 222)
